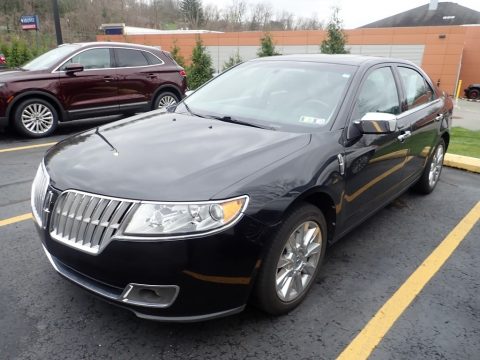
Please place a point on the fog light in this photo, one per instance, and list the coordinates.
(159, 296)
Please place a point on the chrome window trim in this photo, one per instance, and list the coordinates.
(109, 68)
(417, 108)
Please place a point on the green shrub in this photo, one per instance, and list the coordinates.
(200, 70)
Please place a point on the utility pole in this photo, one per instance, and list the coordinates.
(56, 19)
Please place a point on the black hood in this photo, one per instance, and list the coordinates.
(169, 157)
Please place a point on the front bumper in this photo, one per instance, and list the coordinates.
(214, 274)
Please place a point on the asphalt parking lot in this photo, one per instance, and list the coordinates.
(43, 316)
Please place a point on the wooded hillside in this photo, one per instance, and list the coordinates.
(82, 18)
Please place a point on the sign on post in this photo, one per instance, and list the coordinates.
(30, 22)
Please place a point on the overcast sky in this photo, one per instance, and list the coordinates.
(354, 13)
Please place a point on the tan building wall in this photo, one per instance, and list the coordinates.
(445, 47)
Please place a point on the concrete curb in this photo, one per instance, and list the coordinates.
(462, 162)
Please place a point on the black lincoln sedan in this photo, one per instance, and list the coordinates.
(232, 195)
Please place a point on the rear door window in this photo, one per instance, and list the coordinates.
(130, 58)
(417, 90)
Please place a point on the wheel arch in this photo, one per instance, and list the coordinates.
(446, 138)
(321, 199)
(35, 94)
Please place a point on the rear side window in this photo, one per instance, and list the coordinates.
(91, 59)
(377, 94)
(152, 59)
(130, 57)
(417, 90)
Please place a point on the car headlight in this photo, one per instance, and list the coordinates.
(184, 218)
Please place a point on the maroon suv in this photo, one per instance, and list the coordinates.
(83, 80)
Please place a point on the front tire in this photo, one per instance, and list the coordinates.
(293, 261)
(431, 174)
(35, 118)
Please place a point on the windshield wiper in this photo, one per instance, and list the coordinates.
(190, 111)
(229, 119)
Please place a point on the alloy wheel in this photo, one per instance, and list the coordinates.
(37, 118)
(166, 101)
(298, 261)
(436, 166)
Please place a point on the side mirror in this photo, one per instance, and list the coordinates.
(377, 123)
(74, 68)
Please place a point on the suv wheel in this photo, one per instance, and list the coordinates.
(164, 100)
(474, 94)
(35, 118)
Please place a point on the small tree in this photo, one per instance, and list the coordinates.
(175, 52)
(201, 70)
(232, 61)
(336, 38)
(267, 47)
(13, 59)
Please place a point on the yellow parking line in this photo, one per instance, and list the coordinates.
(15, 219)
(27, 147)
(365, 342)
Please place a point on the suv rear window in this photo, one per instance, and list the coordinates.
(152, 59)
(130, 57)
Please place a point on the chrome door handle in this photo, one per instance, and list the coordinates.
(404, 136)
(439, 117)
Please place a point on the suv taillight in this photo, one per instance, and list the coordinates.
(183, 73)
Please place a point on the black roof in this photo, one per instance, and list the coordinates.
(447, 13)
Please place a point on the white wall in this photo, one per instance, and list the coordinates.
(414, 53)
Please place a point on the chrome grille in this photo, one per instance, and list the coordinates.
(39, 191)
(86, 221)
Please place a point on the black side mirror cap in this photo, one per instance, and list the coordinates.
(74, 68)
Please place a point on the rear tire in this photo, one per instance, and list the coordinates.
(164, 100)
(35, 118)
(292, 262)
(431, 174)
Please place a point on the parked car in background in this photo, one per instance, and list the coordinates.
(75, 81)
(473, 91)
(3, 61)
(233, 195)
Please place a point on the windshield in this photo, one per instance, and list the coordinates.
(50, 58)
(278, 94)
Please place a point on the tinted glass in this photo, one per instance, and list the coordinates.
(91, 59)
(417, 91)
(128, 58)
(280, 94)
(152, 59)
(50, 58)
(377, 94)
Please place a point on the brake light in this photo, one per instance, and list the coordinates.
(183, 73)
(3, 59)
